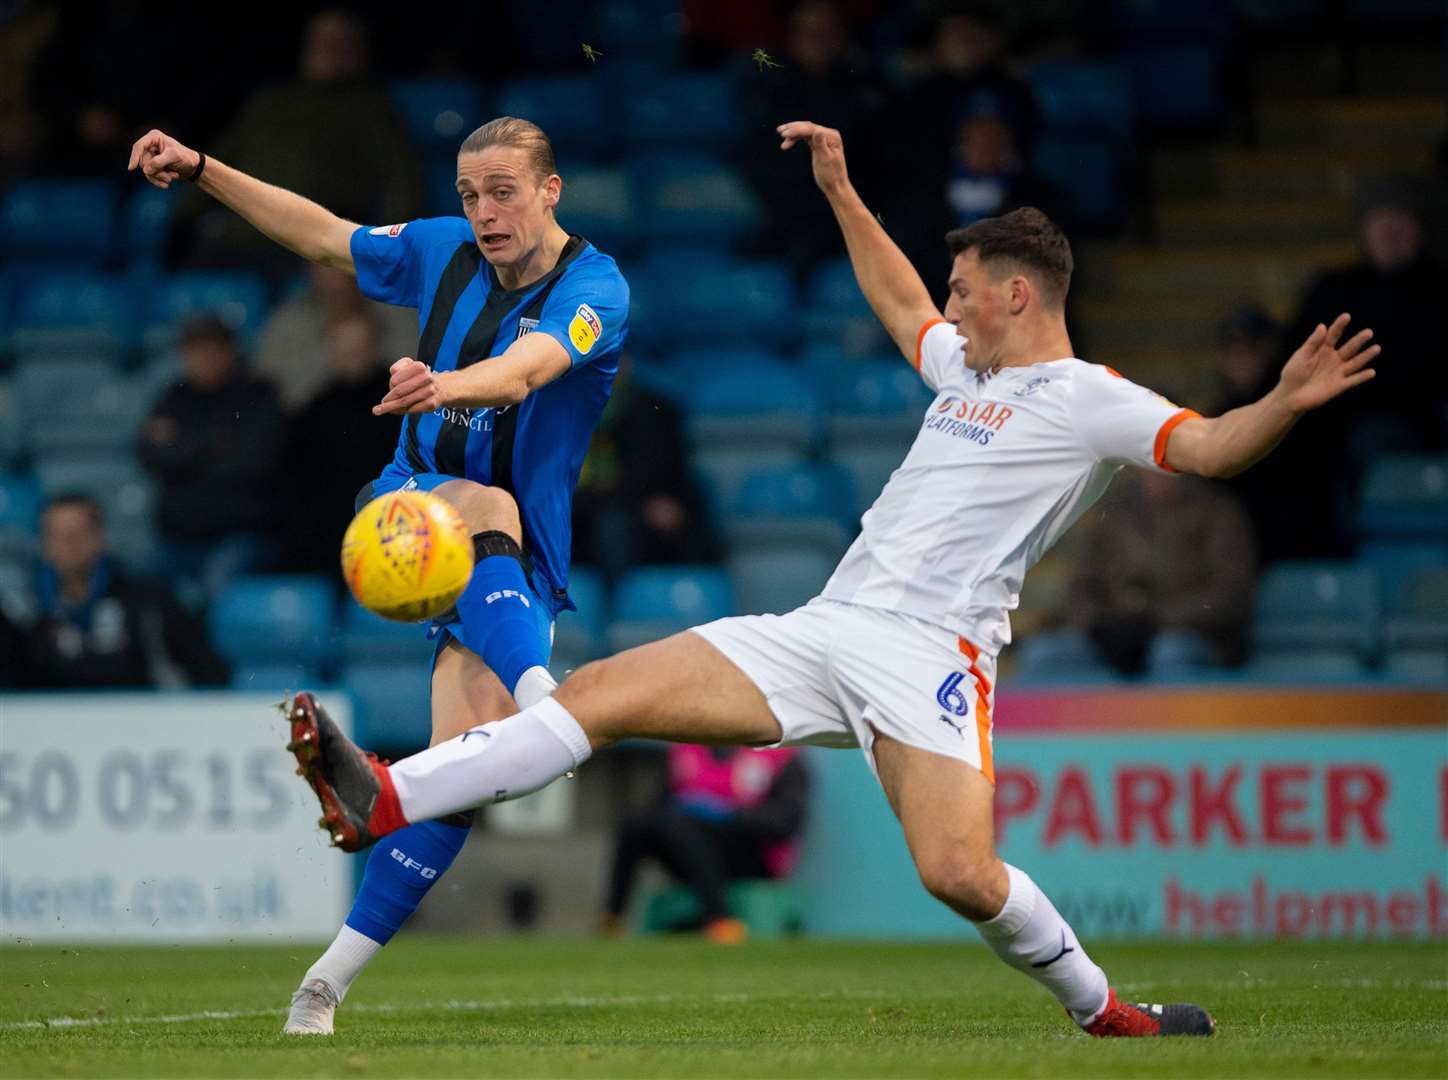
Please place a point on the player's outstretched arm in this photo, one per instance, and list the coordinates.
(1321, 370)
(896, 294)
(312, 231)
(532, 361)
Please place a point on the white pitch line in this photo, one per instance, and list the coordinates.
(62, 1022)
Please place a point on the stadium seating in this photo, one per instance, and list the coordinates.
(869, 466)
(369, 638)
(146, 223)
(58, 221)
(1322, 611)
(835, 311)
(568, 107)
(238, 299)
(126, 494)
(439, 113)
(1397, 561)
(71, 313)
(281, 677)
(1308, 665)
(598, 204)
(874, 403)
(1405, 496)
(77, 407)
(1417, 617)
(653, 602)
(20, 499)
(780, 578)
(803, 506)
(695, 108)
(12, 447)
(578, 636)
(685, 198)
(275, 620)
(1085, 97)
(641, 31)
(393, 706)
(1174, 84)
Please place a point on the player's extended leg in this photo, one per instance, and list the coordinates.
(681, 689)
(495, 614)
(400, 873)
(944, 806)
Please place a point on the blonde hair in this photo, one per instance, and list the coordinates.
(522, 134)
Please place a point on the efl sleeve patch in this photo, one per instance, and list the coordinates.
(585, 329)
(388, 230)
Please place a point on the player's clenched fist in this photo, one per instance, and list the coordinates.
(827, 151)
(162, 159)
(411, 388)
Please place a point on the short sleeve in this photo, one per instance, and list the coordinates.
(1121, 421)
(587, 313)
(390, 261)
(939, 352)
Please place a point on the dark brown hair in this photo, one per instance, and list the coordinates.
(1026, 240)
(511, 131)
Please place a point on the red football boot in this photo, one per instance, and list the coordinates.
(359, 803)
(1124, 1020)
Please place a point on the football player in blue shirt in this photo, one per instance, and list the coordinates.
(503, 441)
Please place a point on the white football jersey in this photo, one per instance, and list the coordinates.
(1003, 465)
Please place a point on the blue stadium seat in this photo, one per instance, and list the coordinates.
(1316, 607)
(779, 579)
(11, 445)
(578, 635)
(680, 109)
(872, 404)
(20, 500)
(835, 311)
(72, 313)
(1405, 496)
(1397, 561)
(568, 107)
(59, 221)
(1174, 84)
(1418, 665)
(280, 678)
(1306, 666)
(271, 619)
(102, 410)
(439, 113)
(393, 705)
(743, 419)
(684, 199)
(678, 372)
(638, 31)
(146, 223)
(869, 466)
(1089, 172)
(805, 503)
(598, 204)
(743, 303)
(238, 299)
(655, 601)
(1085, 98)
(1418, 612)
(369, 638)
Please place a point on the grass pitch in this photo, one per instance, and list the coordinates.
(684, 1008)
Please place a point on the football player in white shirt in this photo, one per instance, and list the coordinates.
(897, 656)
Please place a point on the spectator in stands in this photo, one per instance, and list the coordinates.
(1164, 585)
(335, 443)
(989, 175)
(1397, 288)
(97, 626)
(731, 813)
(636, 502)
(292, 351)
(331, 135)
(214, 441)
(820, 75)
(960, 65)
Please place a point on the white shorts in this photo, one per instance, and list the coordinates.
(835, 674)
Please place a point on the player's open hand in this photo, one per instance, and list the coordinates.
(162, 159)
(827, 151)
(1326, 366)
(412, 388)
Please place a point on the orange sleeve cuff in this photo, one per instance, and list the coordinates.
(920, 340)
(1158, 450)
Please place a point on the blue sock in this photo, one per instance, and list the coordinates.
(496, 612)
(399, 872)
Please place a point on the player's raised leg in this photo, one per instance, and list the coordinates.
(681, 688)
(944, 806)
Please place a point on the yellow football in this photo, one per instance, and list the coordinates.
(407, 556)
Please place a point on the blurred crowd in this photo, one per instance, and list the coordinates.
(259, 443)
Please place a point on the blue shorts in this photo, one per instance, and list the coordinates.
(448, 626)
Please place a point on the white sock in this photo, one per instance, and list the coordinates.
(534, 685)
(1030, 931)
(344, 960)
(502, 760)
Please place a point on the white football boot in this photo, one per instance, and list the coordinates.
(312, 1007)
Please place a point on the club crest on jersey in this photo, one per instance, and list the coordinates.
(526, 326)
(585, 329)
(1032, 386)
(388, 230)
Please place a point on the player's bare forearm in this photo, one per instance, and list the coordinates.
(295, 222)
(894, 290)
(499, 382)
(1233, 442)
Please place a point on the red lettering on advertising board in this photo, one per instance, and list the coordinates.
(1356, 791)
(1072, 810)
(1212, 804)
(1016, 792)
(1146, 794)
(1279, 801)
